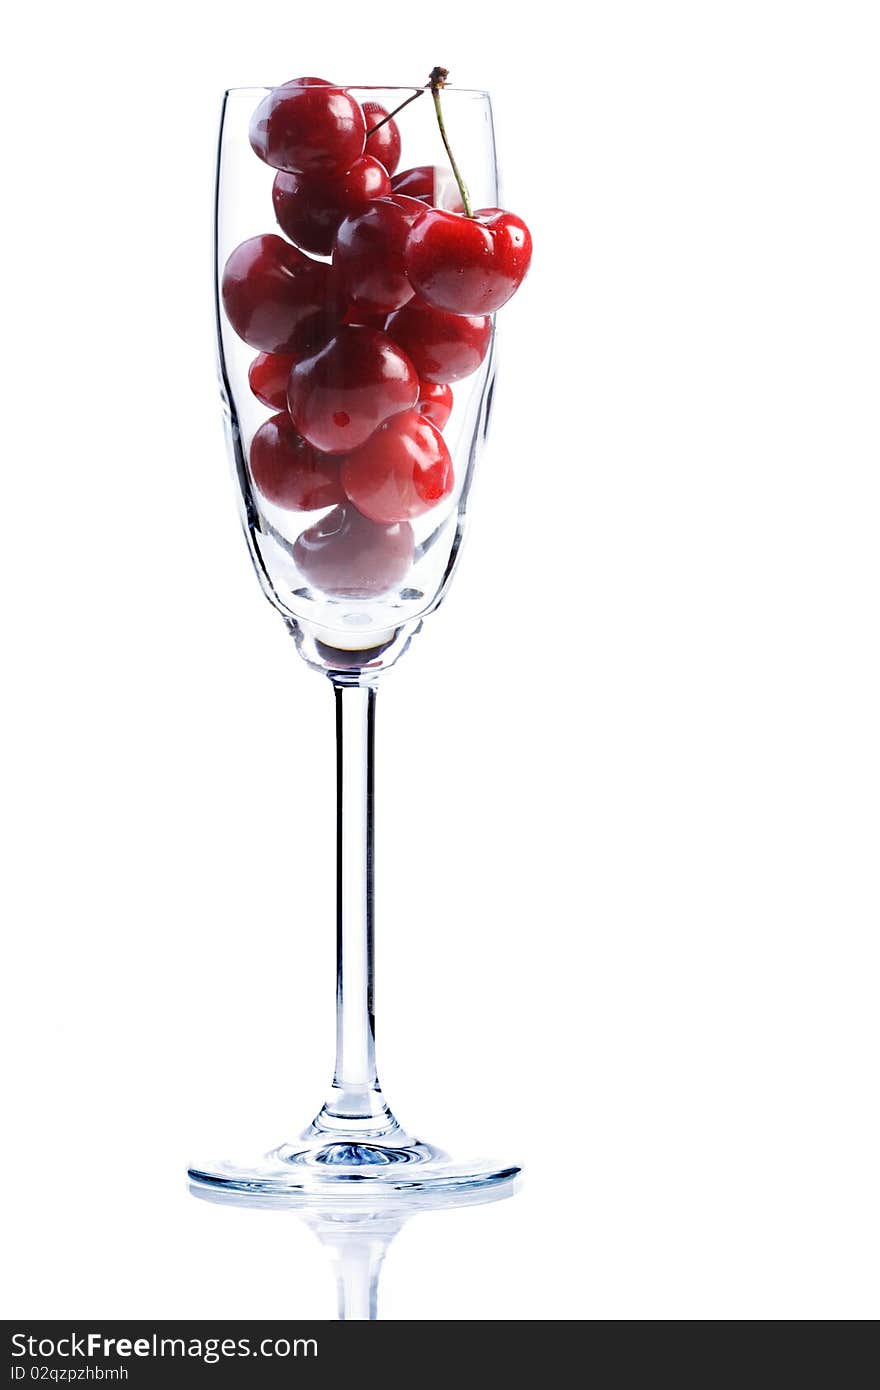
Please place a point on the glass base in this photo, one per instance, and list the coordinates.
(359, 1164)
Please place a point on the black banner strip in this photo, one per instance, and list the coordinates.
(219, 1354)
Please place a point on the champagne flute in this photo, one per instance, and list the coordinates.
(352, 584)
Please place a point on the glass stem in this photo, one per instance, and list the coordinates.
(356, 1100)
(355, 1027)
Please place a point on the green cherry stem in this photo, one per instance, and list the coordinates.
(436, 81)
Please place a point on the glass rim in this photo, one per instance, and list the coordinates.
(366, 87)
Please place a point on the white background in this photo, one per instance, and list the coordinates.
(629, 774)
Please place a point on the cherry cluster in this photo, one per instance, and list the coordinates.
(357, 352)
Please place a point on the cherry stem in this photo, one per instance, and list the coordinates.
(436, 81)
(392, 114)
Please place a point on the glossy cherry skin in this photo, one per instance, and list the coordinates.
(347, 390)
(346, 555)
(384, 145)
(468, 265)
(435, 402)
(442, 347)
(310, 210)
(276, 298)
(267, 377)
(401, 472)
(355, 316)
(308, 129)
(431, 184)
(289, 472)
(369, 255)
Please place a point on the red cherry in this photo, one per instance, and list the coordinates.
(435, 402)
(275, 297)
(289, 472)
(468, 265)
(384, 145)
(347, 390)
(310, 210)
(432, 185)
(267, 376)
(443, 347)
(308, 129)
(354, 316)
(347, 556)
(369, 252)
(402, 471)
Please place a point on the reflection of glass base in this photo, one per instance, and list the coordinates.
(357, 1230)
(362, 1165)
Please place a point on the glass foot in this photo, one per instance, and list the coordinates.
(358, 1165)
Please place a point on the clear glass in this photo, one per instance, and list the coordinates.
(352, 613)
(244, 209)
